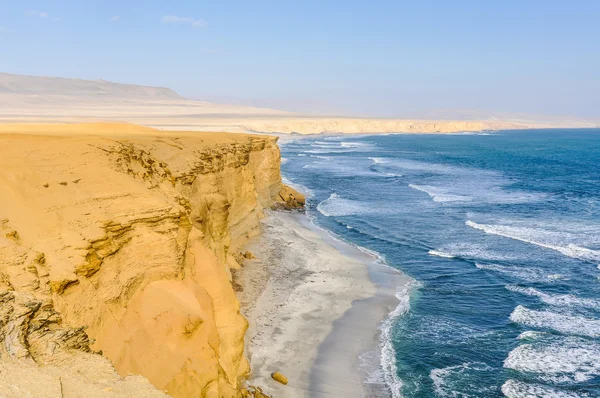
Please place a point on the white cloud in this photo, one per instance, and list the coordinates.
(115, 18)
(34, 13)
(183, 20)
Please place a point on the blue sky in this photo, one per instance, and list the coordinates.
(377, 58)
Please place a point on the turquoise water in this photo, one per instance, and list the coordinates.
(501, 233)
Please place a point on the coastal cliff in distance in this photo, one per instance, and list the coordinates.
(119, 240)
(31, 99)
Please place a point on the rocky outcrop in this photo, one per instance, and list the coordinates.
(290, 199)
(132, 257)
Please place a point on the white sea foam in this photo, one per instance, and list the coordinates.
(284, 160)
(370, 364)
(565, 324)
(531, 335)
(517, 389)
(540, 238)
(445, 380)
(440, 194)
(524, 273)
(336, 206)
(565, 300)
(377, 160)
(557, 277)
(339, 147)
(322, 151)
(441, 253)
(320, 157)
(564, 360)
(388, 353)
(475, 251)
(348, 144)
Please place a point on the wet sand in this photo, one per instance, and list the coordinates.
(314, 305)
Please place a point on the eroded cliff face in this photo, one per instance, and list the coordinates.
(123, 244)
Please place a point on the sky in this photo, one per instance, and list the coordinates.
(365, 58)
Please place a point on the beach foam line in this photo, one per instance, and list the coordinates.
(518, 389)
(566, 360)
(563, 300)
(565, 324)
(388, 352)
(525, 235)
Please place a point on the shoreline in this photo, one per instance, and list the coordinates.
(314, 305)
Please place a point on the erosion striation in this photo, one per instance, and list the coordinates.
(116, 250)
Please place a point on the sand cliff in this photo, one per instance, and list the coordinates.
(120, 240)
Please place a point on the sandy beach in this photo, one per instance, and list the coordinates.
(314, 305)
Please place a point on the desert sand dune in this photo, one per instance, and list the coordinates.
(27, 99)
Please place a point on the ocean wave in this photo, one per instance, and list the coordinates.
(320, 157)
(476, 193)
(473, 251)
(529, 235)
(531, 335)
(377, 161)
(342, 166)
(284, 160)
(440, 253)
(440, 194)
(565, 300)
(349, 144)
(325, 150)
(565, 324)
(525, 273)
(388, 352)
(336, 206)
(517, 389)
(566, 360)
(339, 147)
(448, 381)
(436, 168)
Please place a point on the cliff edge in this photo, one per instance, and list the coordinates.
(120, 240)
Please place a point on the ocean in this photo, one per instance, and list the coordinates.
(500, 232)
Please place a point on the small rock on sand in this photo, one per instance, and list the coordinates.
(279, 377)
